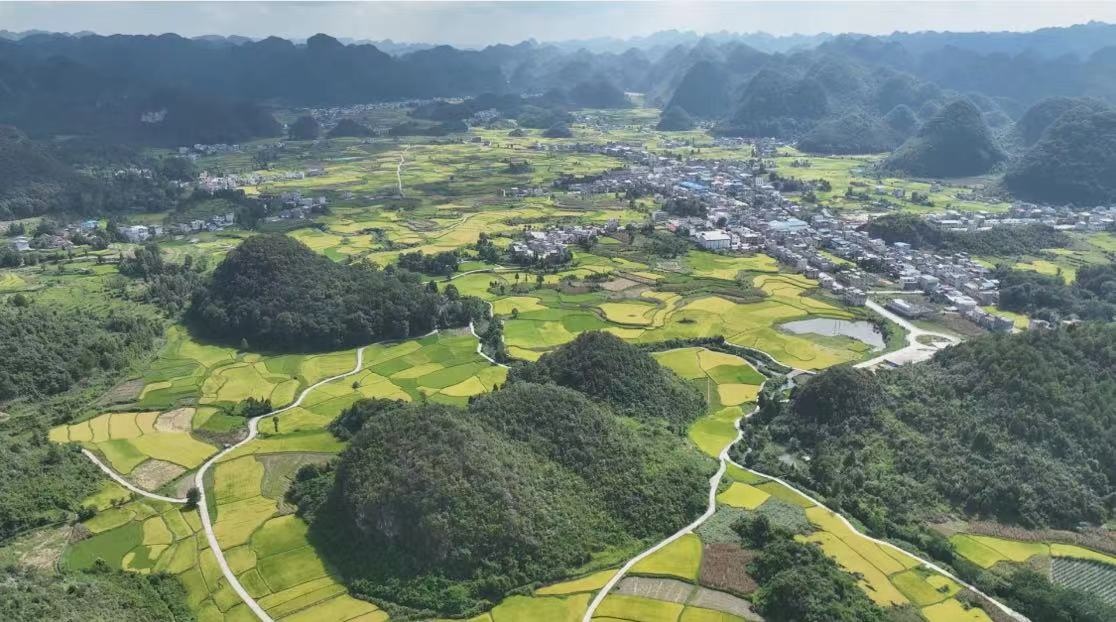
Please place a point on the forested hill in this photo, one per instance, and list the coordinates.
(441, 509)
(1017, 428)
(274, 293)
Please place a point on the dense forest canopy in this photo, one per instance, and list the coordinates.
(437, 508)
(608, 368)
(1016, 428)
(1074, 160)
(956, 142)
(275, 293)
(1003, 241)
(45, 351)
(1091, 296)
(98, 594)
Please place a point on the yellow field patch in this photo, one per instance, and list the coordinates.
(742, 496)
(681, 558)
(523, 304)
(736, 394)
(471, 386)
(590, 583)
(953, 611)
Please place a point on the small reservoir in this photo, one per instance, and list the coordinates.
(861, 330)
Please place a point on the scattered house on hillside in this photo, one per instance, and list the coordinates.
(20, 244)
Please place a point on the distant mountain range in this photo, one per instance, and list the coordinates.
(170, 90)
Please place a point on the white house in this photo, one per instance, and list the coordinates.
(713, 240)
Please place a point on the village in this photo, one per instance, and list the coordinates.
(732, 206)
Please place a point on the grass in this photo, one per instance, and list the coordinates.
(681, 559)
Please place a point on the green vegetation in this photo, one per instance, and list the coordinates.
(956, 142)
(1091, 296)
(675, 119)
(471, 478)
(1073, 161)
(45, 351)
(604, 367)
(1045, 113)
(909, 228)
(852, 133)
(275, 293)
(98, 594)
(798, 582)
(875, 440)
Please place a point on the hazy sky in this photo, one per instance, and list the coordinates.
(476, 23)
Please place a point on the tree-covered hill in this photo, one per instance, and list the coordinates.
(46, 351)
(703, 92)
(675, 119)
(956, 142)
(608, 368)
(1043, 114)
(98, 594)
(597, 93)
(1074, 161)
(32, 180)
(916, 231)
(850, 134)
(1017, 428)
(1091, 296)
(351, 128)
(442, 509)
(275, 293)
(776, 104)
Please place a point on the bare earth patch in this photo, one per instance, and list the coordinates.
(670, 590)
(39, 549)
(720, 601)
(177, 420)
(724, 567)
(123, 393)
(154, 474)
(616, 285)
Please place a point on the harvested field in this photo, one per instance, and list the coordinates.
(123, 393)
(670, 590)
(154, 474)
(177, 420)
(720, 601)
(725, 567)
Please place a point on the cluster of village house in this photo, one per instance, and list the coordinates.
(543, 243)
(745, 213)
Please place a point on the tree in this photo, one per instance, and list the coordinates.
(305, 127)
(193, 497)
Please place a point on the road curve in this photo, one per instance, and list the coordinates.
(927, 563)
(914, 351)
(125, 483)
(714, 483)
(199, 477)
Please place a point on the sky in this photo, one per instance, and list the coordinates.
(476, 23)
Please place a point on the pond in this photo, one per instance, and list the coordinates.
(861, 330)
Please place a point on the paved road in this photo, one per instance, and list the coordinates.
(924, 562)
(199, 482)
(399, 171)
(914, 351)
(714, 482)
(125, 483)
